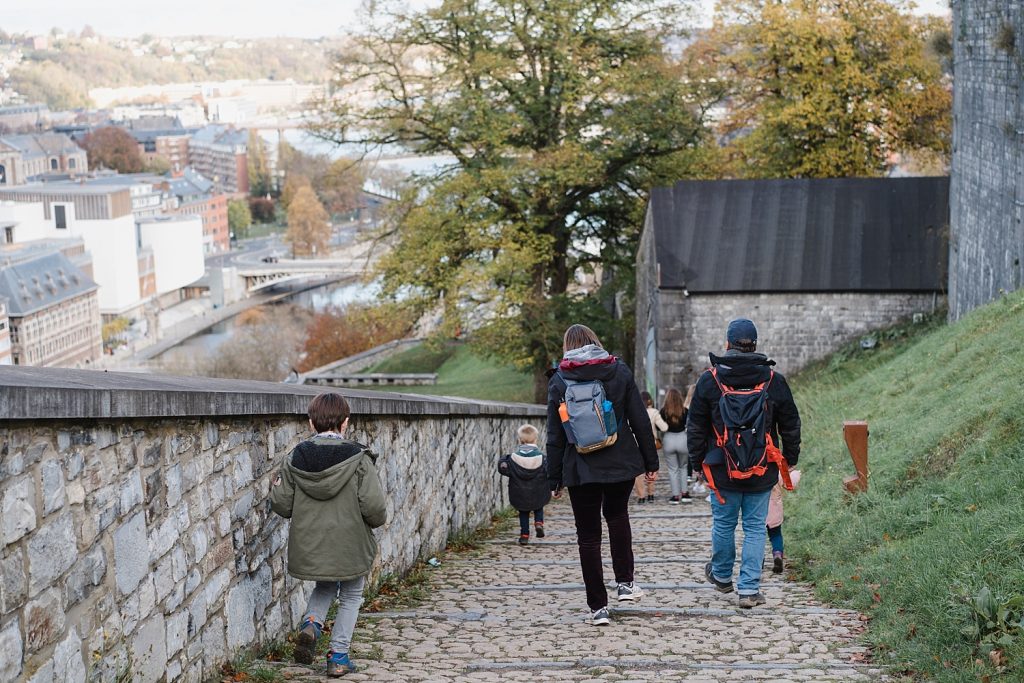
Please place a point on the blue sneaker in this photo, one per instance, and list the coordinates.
(305, 643)
(338, 664)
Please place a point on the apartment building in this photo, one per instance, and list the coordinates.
(162, 137)
(220, 153)
(52, 309)
(196, 196)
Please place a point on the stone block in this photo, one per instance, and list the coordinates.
(131, 553)
(68, 664)
(164, 538)
(18, 510)
(44, 620)
(53, 486)
(52, 550)
(242, 470)
(177, 632)
(147, 597)
(163, 579)
(200, 543)
(176, 597)
(149, 651)
(87, 573)
(75, 493)
(211, 435)
(13, 585)
(172, 482)
(152, 452)
(242, 506)
(11, 651)
(131, 492)
(45, 673)
(74, 463)
(214, 651)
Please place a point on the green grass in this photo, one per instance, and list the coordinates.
(461, 372)
(944, 515)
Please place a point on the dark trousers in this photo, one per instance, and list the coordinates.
(588, 502)
(524, 520)
(775, 536)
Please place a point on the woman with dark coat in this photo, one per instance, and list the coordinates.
(600, 481)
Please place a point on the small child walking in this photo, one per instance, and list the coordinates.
(528, 488)
(775, 521)
(328, 487)
(643, 487)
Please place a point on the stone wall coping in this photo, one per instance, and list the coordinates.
(29, 393)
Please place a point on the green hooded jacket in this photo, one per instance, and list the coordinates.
(333, 508)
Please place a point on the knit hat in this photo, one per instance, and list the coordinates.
(741, 331)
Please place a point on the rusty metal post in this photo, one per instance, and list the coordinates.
(856, 434)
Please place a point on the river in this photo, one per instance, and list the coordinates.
(316, 300)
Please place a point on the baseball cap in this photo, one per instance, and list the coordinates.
(741, 330)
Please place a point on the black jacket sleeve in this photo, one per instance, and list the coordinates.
(698, 424)
(556, 441)
(787, 419)
(640, 424)
(503, 465)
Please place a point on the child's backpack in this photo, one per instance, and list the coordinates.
(745, 439)
(587, 416)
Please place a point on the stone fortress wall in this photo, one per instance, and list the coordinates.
(135, 531)
(986, 254)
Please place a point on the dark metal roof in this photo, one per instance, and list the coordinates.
(40, 282)
(843, 234)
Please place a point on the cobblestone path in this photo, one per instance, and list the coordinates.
(511, 613)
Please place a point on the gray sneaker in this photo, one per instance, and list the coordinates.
(600, 617)
(749, 601)
(629, 592)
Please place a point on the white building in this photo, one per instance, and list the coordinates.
(132, 262)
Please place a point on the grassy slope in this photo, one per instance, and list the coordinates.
(944, 516)
(460, 372)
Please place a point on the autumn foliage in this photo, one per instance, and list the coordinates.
(113, 148)
(336, 334)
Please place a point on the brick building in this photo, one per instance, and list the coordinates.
(53, 311)
(987, 179)
(814, 263)
(162, 137)
(196, 196)
(220, 153)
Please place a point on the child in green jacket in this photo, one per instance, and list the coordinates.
(328, 487)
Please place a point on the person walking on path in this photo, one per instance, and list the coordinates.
(644, 487)
(774, 522)
(740, 371)
(328, 487)
(673, 446)
(600, 481)
(528, 488)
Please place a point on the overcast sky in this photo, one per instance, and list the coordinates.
(306, 18)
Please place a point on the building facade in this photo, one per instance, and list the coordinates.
(219, 153)
(53, 309)
(23, 157)
(196, 196)
(5, 334)
(814, 263)
(987, 179)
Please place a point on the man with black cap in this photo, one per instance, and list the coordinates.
(741, 371)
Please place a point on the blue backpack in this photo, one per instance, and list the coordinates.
(587, 416)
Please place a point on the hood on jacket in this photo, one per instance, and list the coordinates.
(327, 483)
(739, 369)
(528, 456)
(588, 363)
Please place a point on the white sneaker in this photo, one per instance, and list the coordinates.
(629, 592)
(600, 617)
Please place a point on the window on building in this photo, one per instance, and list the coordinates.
(60, 217)
(9, 234)
(72, 162)
(54, 165)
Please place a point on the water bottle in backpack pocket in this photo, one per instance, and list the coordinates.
(588, 417)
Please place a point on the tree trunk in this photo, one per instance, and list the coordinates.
(540, 385)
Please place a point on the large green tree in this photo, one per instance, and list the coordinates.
(826, 88)
(558, 116)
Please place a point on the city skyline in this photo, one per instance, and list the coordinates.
(262, 18)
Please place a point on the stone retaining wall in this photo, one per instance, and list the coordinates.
(145, 543)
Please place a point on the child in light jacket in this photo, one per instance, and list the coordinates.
(775, 521)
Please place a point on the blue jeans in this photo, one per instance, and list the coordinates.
(524, 520)
(754, 507)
